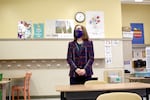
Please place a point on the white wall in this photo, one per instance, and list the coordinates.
(44, 81)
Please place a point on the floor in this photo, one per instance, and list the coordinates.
(46, 99)
(41, 99)
(59, 99)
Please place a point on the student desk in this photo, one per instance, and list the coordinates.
(12, 78)
(139, 79)
(3, 86)
(82, 92)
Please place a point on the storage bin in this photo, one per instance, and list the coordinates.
(114, 79)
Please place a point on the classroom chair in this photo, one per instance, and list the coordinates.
(25, 88)
(119, 96)
(94, 82)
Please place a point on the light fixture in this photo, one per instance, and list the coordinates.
(138, 0)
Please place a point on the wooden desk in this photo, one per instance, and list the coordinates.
(82, 92)
(12, 78)
(139, 79)
(3, 86)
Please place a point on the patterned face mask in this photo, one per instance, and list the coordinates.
(78, 33)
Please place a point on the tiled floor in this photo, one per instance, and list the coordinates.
(46, 99)
(59, 99)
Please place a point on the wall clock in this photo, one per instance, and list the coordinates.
(80, 17)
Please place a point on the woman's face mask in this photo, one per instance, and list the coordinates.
(78, 33)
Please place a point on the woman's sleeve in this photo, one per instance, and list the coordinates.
(90, 54)
(70, 55)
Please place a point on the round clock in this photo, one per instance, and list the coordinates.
(80, 17)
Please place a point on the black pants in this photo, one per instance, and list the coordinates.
(79, 79)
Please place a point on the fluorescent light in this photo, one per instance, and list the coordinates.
(138, 0)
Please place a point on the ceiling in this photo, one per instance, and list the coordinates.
(133, 2)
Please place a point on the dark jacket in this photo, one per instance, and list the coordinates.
(82, 58)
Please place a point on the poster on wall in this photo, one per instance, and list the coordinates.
(24, 29)
(95, 24)
(50, 29)
(138, 33)
(38, 30)
(108, 52)
(59, 28)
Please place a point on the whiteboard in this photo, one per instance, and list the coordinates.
(33, 49)
(41, 49)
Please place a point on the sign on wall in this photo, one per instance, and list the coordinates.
(38, 30)
(59, 29)
(95, 24)
(138, 33)
(24, 29)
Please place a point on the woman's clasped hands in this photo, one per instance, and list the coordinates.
(80, 72)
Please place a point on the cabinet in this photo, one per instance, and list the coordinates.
(138, 51)
(139, 54)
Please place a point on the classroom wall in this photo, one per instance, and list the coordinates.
(47, 73)
(136, 13)
(49, 82)
(12, 11)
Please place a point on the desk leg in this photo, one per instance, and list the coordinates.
(147, 94)
(3, 91)
(9, 93)
(62, 96)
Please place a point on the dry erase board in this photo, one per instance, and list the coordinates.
(33, 49)
(41, 49)
(57, 49)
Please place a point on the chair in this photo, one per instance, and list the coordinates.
(119, 96)
(25, 87)
(94, 82)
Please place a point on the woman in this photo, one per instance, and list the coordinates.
(80, 56)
